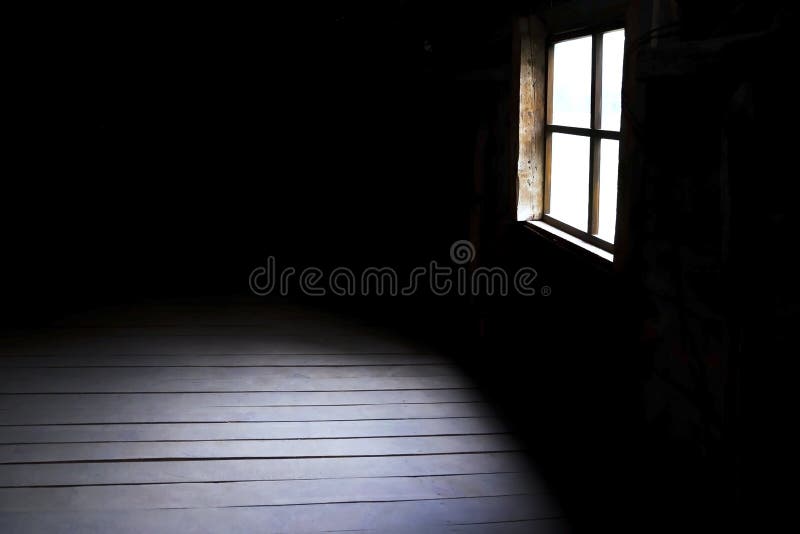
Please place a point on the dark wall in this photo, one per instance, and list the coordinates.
(657, 384)
(169, 151)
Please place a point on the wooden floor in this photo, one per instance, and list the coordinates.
(189, 418)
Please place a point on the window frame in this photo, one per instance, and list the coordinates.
(593, 132)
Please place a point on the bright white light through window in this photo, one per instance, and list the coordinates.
(613, 45)
(585, 93)
(607, 208)
(572, 82)
(569, 184)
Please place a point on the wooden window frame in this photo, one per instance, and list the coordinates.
(593, 132)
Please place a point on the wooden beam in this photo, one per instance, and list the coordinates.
(581, 15)
(532, 103)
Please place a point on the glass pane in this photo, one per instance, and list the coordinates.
(572, 82)
(609, 172)
(613, 52)
(569, 179)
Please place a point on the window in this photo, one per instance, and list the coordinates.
(582, 135)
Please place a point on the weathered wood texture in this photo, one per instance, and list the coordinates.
(532, 102)
(153, 426)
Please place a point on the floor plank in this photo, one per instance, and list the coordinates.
(253, 343)
(411, 516)
(145, 472)
(216, 360)
(147, 380)
(263, 493)
(170, 414)
(184, 373)
(313, 448)
(79, 401)
(231, 431)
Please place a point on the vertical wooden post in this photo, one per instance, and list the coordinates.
(532, 103)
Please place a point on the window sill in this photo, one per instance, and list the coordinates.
(571, 242)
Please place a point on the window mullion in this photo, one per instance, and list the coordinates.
(597, 79)
(594, 146)
(548, 134)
